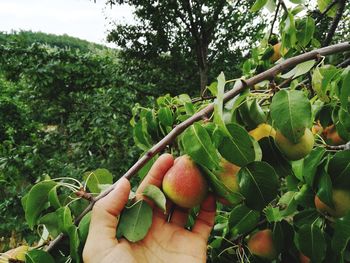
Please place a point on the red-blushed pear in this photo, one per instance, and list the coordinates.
(295, 151)
(341, 201)
(184, 184)
(228, 175)
(261, 244)
(303, 258)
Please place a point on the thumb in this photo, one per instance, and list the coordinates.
(103, 219)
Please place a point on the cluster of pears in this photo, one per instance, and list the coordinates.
(185, 185)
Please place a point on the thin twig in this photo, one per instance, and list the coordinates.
(344, 64)
(342, 147)
(274, 20)
(284, 6)
(161, 145)
(335, 23)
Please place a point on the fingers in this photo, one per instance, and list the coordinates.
(205, 219)
(103, 219)
(179, 217)
(157, 172)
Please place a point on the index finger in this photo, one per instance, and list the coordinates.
(157, 172)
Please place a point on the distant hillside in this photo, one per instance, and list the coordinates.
(62, 41)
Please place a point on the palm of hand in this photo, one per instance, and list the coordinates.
(165, 242)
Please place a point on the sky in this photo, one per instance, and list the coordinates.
(79, 18)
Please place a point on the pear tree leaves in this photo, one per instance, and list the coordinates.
(198, 145)
(156, 195)
(291, 113)
(36, 200)
(135, 221)
(259, 184)
(237, 148)
(242, 220)
(312, 242)
(97, 178)
(38, 256)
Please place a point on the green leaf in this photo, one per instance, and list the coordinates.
(273, 214)
(288, 202)
(273, 156)
(341, 235)
(282, 234)
(145, 169)
(345, 90)
(83, 228)
(311, 163)
(259, 184)
(141, 136)
(325, 188)
(344, 118)
(258, 5)
(213, 88)
(242, 220)
(135, 221)
(312, 242)
(96, 178)
(297, 1)
(74, 243)
(237, 148)
(299, 69)
(165, 116)
(39, 256)
(36, 201)
(64, 218)
(51, 223)
(220, 189)
(53, 198)
(198, 145)
(323, 4)
(305, 217)
(156, 195)
(339, 169)
(219, 103)
(306, 29)
(291, 113)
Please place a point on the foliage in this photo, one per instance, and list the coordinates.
(62, 113)
(27, 38)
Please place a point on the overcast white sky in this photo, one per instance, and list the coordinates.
(79, 18)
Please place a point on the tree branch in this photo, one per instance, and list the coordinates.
(161, 145)
(274, 20)
(335, 23)
(283, 4)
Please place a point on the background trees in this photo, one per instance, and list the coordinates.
(190, 41)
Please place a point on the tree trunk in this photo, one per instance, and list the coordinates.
(203, 75)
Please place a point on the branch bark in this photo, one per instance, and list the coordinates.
(267, 75)
(335, 23)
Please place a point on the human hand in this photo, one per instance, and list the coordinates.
(165, 241)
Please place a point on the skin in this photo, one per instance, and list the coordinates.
(295, 151)
(331, 135)
(341, 200)
(184, 184)
(261, 244)
(263, 130)
(167, 240)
